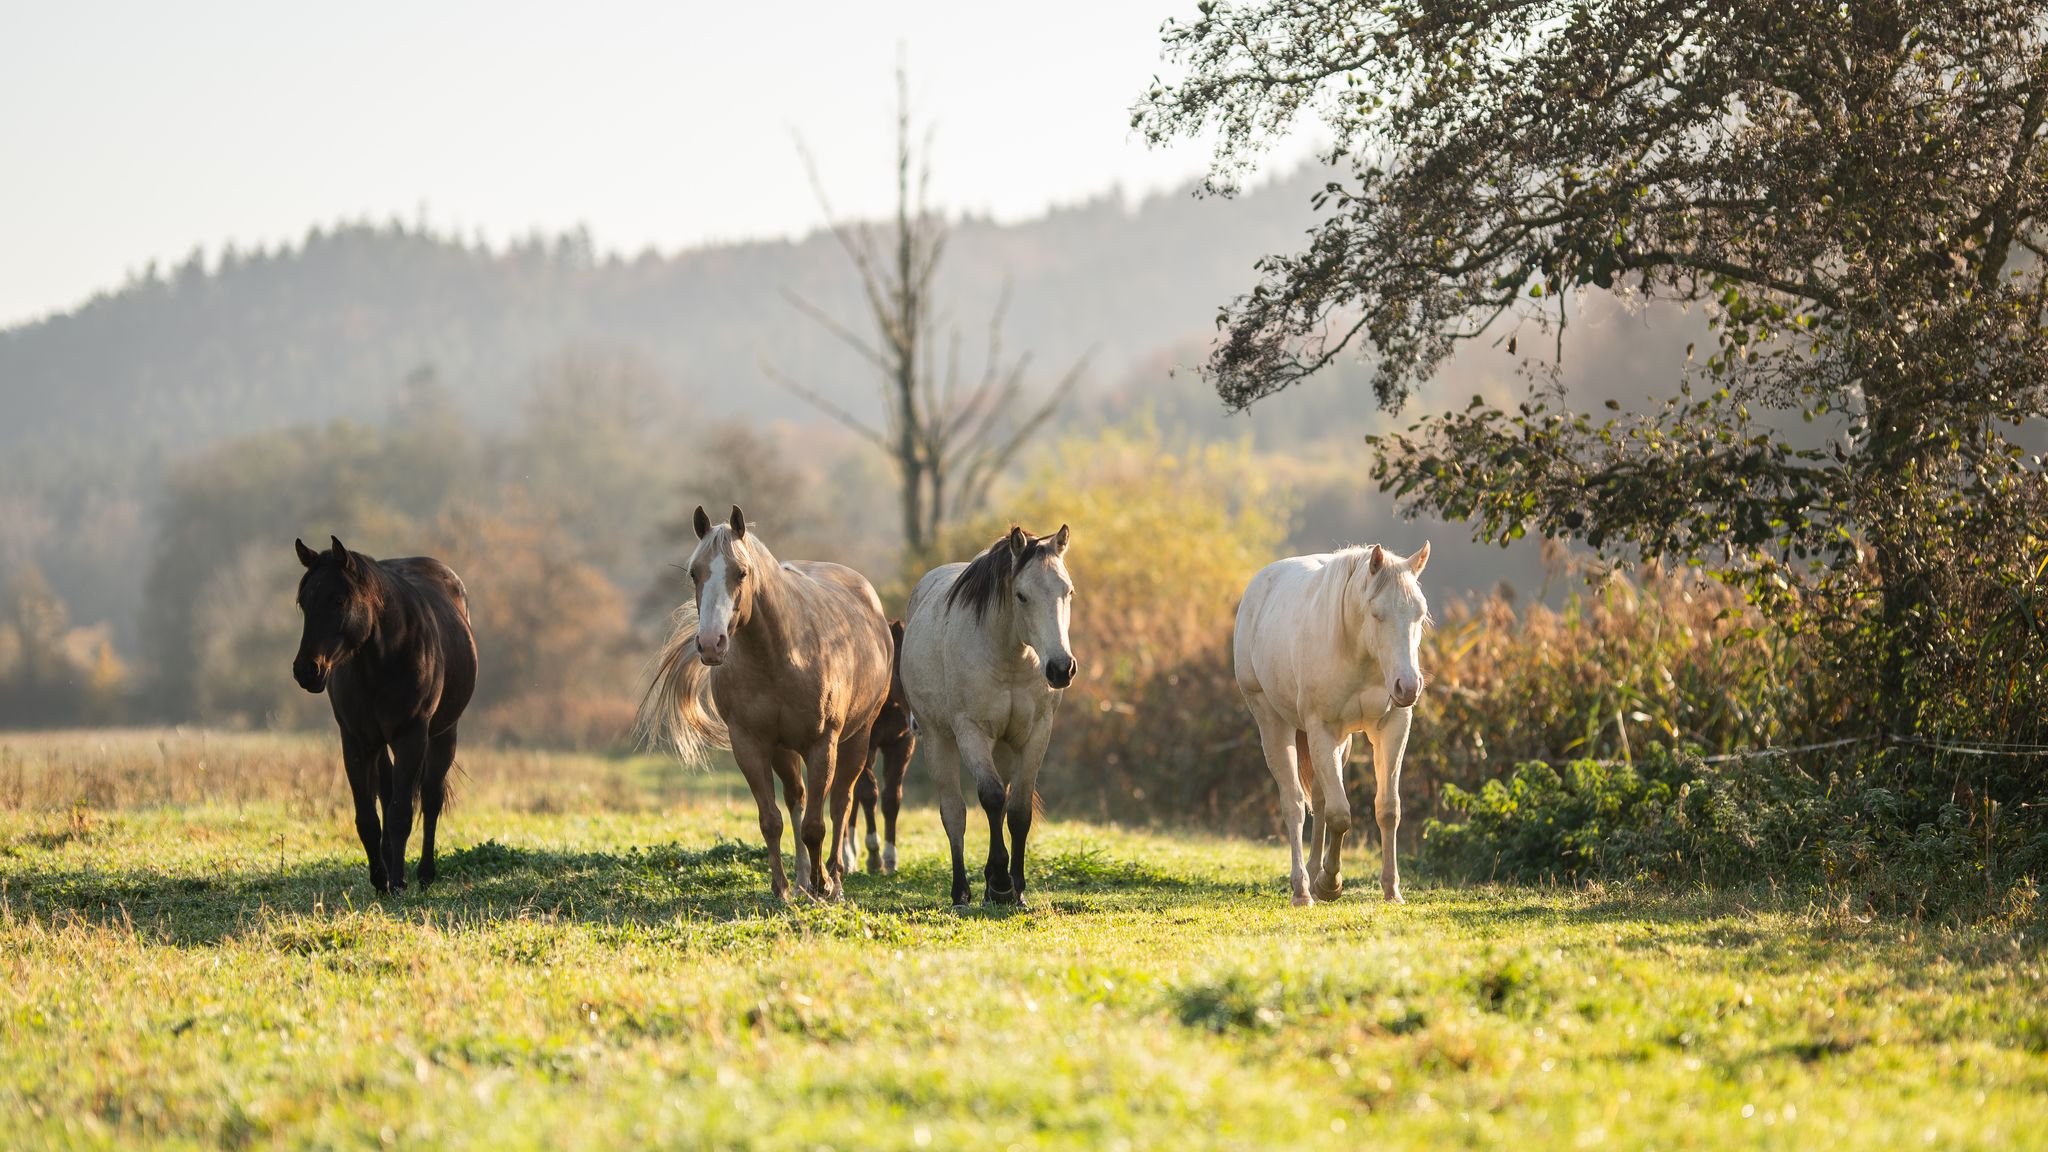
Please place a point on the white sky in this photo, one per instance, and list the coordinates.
(135, 132)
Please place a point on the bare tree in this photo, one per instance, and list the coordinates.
(947, 439)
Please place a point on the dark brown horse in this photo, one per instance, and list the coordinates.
(389, 642)
(890, 744)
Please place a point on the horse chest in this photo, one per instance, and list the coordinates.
(1013, 714)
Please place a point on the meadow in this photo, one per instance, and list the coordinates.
(191, 956)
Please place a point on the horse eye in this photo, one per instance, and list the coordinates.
(1023, 599)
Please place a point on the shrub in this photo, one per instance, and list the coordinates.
(1628, 716)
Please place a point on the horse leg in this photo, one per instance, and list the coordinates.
(1276, 737)
(895, 762)
(1389, 744)
(944, 761)
(790, 767)
(1313, 831)
(1335, 812)
(1023, 795)
(758, 763)
(401, 787)
(988, 759)
(433, 795)
(360, 758)
(819, 763)
(865, 792)
(854, 751)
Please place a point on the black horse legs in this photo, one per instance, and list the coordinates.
(401, 784)
(364, 764)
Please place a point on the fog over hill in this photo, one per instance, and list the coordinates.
(332, 326)
(101, 400)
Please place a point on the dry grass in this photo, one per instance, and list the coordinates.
(1668, 658)
(109, 769)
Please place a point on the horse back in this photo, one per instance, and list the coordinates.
(432, 579)
(440, 593)
(1285, 641)
(841, 609)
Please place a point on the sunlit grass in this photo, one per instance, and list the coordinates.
(602, 967)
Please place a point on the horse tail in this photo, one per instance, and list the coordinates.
(676, 713)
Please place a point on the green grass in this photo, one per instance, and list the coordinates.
(605, 969)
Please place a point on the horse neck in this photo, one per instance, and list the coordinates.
(1348, 587)
(772, 621)
(393, 623)
(1000, 626)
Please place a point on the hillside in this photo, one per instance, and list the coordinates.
(331, 326)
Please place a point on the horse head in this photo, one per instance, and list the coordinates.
(1395, 614)
(340, 603)
(719, 569)
(1044, 600)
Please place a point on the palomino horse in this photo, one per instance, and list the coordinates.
(1325, 648)
(795, 659)
(389, 642)
(891, 742)
(984, 656)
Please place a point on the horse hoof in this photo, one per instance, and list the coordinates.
(889, 860)
(1303, 900)
(1007, 896)
(1328, 895)
(1394, 896)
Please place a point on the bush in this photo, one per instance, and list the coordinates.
(1833, 820)
(1626, 717)
(1666, 658)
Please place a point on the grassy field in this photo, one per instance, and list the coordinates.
(191, 955)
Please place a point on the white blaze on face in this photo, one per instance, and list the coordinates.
(1401, 616)
(714, 609)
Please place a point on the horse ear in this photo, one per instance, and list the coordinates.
(307, 556)
(1420, 560)
(1020, 540)
(738, 522)
(896, 634)
(1059, 541)
(1375, 560)
(703, 522)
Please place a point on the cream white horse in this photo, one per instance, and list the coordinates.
(985, 654)
(1326, 648)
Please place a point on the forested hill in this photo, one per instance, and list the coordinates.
(333, 325)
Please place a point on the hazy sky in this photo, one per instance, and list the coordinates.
(135, 132)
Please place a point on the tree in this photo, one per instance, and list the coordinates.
(1851, 190)
(741, 465)
(946, 443)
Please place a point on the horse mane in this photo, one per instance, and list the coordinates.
(991, 573)
(1355, 558)
(676, 712)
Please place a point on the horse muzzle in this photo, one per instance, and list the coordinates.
(311, 675)
(712, 649)
(1060, 673)
(1405, 693)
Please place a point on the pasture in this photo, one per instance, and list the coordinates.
(191, 955)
